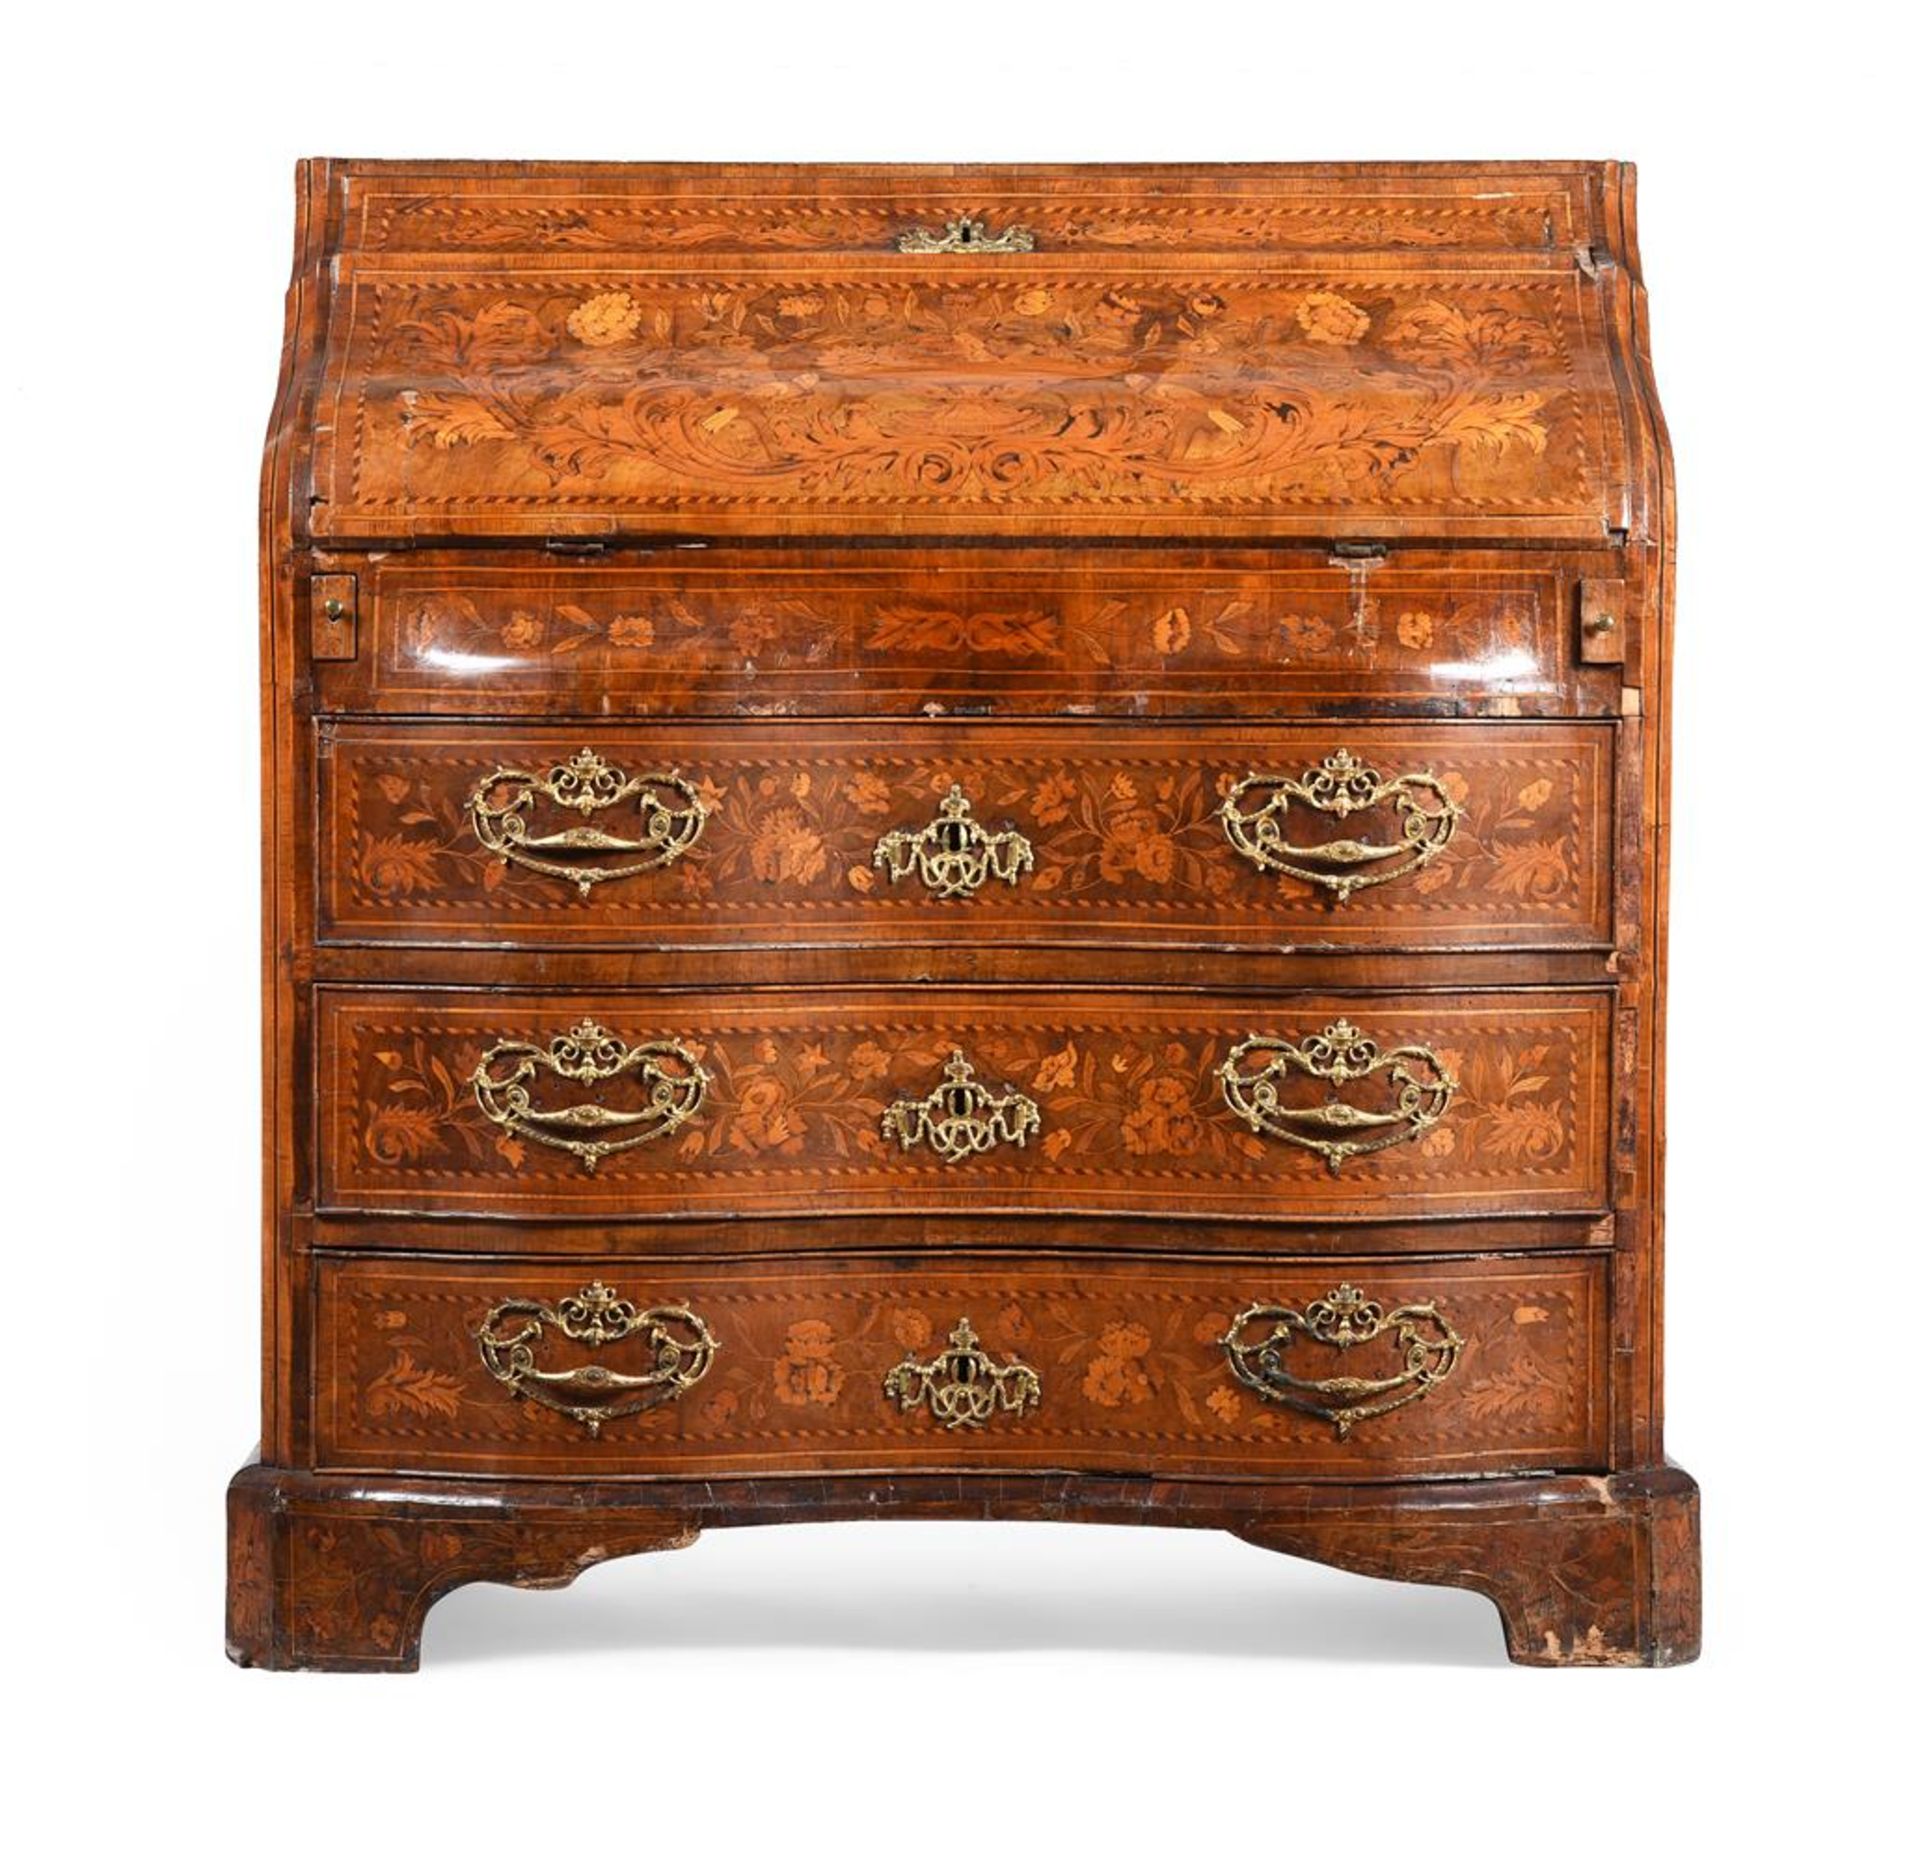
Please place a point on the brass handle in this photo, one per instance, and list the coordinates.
(1420, 1089)
(679, 1350)
(953, 856)
(672, 1081)
(1341, 785)
(1258, 1341)
(671, 814)
(965, 235)
(963, 1387)
(960, 1118)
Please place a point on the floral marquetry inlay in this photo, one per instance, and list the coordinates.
(1067, 394)
(1105, 1101)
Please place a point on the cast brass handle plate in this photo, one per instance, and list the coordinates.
(1260, 1342)
(965, 235)
(672, 1082)
(1418, 1091)
(960, 1118)
(1257, 815)
(953, 856)
(963, 1388)
(675, 1344)
(667, 814)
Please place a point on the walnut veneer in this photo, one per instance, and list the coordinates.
(964, 842)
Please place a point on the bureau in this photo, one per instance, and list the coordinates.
(964, 842)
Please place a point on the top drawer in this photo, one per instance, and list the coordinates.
(1003, 633)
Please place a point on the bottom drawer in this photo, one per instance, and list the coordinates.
(1343, 1369)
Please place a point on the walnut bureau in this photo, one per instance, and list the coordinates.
(964, 842)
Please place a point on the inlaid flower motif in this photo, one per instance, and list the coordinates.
(602, 321)
(1164, 1121)
(868, 793)
(1301, 633)
(1327, 317)
(1415, 630)
(914, 1330)
(1173, 631)
(764, 1120)
(523, 631)
(1032, 302)
(788, 849)
(1114, 1376)
(1224, 1403)
(1050, 799)
(1153, 857)
(631, 630)
(868, 1061)
(808, 1373)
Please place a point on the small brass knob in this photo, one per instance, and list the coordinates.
(1602, 624)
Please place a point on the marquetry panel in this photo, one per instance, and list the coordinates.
(1130, 1111)
(1124, 834)
(751, 633)
(1127, 1357)
(945, 396)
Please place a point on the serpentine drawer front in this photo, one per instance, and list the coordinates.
(792, 1102)
(1336, 1370)
(1337, 834)
(967, 843)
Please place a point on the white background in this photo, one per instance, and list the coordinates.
(1019, 1690)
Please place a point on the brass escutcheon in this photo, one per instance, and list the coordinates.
(965, 235)
(963, 1388)
(953, 856)
(961, 1118)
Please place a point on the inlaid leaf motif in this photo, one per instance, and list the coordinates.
(408, 1388)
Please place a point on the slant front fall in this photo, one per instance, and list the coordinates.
(972, 842)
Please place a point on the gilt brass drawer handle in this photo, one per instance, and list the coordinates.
(953, 855)
(1258, 1341)
(1420, 1089)
(671, 814)
(673, 1082)
(961, 1118)
(678, 1346)
(965, 235)
(1341, 785)
(963, 1387)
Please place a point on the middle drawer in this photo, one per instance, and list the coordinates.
(1285, 1104)
(1446, 835)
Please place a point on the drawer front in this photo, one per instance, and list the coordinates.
(1342, 1370)
(856, 213)
(650, 1103)
(1338, 834)
(742, 633)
